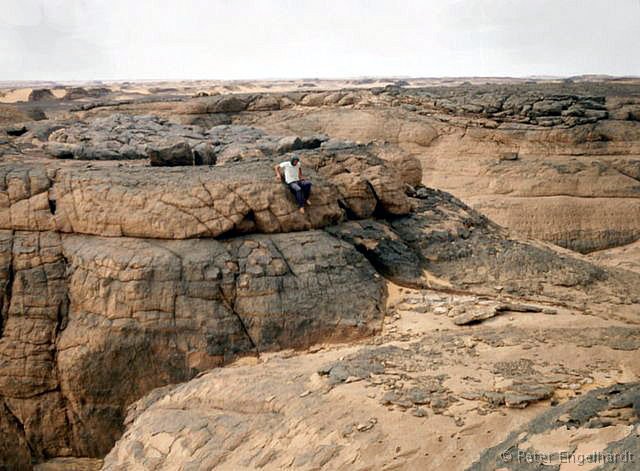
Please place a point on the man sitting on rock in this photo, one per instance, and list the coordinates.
(300, 187)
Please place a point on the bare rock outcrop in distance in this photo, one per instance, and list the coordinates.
(41, 94)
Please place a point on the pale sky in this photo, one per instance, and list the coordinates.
(242, 39)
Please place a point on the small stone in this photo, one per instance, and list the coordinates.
(438, 403)
(419, 412)
(389, 398)
(348, 430)
(509, 156)
(363, 427)
(494, 398)
(471, 395)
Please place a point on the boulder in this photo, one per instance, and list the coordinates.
(179, 203)
(24, 198)
(170, 154)
(226, 104)
(289, 143)
(204, 154)
(313, 99)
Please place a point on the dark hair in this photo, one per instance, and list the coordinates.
(293, 159)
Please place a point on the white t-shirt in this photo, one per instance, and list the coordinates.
(291, 172)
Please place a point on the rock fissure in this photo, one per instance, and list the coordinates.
(17, 423)
(230, 304)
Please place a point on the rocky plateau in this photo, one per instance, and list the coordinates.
(462, 293)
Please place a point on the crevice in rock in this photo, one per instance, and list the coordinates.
(16, 131)
(62, 315)
(8, 291)
(19, 426)
(245, 226)
(197, 158)
(62, 320)
(7, 297)
(381, 269)
(284, 259)
(52, 206)
(347, 209)
(378, 210)
(230, 304)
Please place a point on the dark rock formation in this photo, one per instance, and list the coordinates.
(596, 409)
(78, 93)
(41, 94)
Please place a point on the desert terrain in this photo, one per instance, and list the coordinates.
(462, 293)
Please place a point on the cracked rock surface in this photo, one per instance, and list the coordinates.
(424, 394)
(157, 246)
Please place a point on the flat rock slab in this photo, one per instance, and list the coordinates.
(489, 310)
(575, 432)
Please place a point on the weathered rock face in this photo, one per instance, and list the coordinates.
(174, 308)
(133, 302)
(574, 144)
(153, 275)
(84, 314)
(181, 203)
(34, 310)
(445, 244)
(413, 398)
(71, 359)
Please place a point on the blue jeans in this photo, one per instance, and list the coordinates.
(301, 190)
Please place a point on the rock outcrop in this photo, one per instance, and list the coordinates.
(420, 396)
(119, 278)
(41, 94)
(79, 93)
(607, 416)
(575, 145)
(97, 288)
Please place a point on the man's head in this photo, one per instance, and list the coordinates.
(295, 160)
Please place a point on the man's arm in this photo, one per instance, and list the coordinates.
(278, 174)
(300, 177)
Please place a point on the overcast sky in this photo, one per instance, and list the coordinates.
(237, 39)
